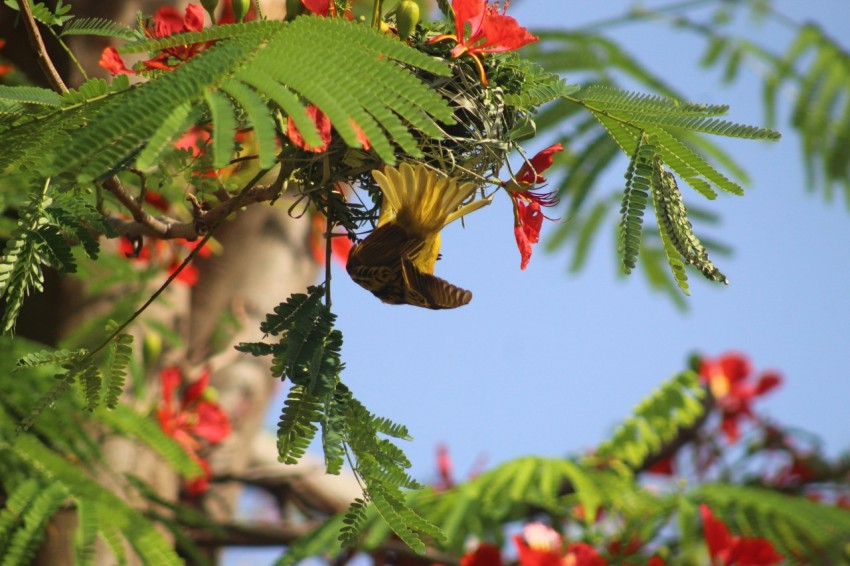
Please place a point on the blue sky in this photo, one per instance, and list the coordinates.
(544, 362)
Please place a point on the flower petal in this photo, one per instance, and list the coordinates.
(323, 124)
(194, 18)
(484, 555)
(530, 172)
(318, 7)
(168, 21)
(768, 382)
(502, 33)
(213, 423)
(717, 536)
(112, 62)
(470, 12)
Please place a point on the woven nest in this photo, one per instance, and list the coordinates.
(473, 149)
(477, 145)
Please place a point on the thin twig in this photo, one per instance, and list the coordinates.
(235, 203)
(329, 225)
(37, 44)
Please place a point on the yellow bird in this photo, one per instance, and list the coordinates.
(396, 261)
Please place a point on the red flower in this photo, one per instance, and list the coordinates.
(326, 8)
(528, 218)
(361, 135)
(484, 555)
(167, 21)
(538, 545)
(5, 69)
(529, 173)
(582, 554)
(726, 550)
(196, 419)
(664, 467)
(322, 124)
(490, 31)
(165, 254)
(444, 467)
(194, 140)
(319, 7)
(727, 378)
(112, 62)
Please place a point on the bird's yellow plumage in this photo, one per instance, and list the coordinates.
(396, 261)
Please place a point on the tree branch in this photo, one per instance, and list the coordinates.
(257, 534)
(165, 228)
(37, 44)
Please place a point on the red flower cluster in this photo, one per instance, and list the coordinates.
(727, 550)
(727, 377)
(167, 21)
(196, 419)
(528, 217)
(538, 545)
(490, 31)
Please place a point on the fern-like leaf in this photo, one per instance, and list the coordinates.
(224, 129)
(259, 117)
(15, 505)
(30, 95)
(147, 430)
(297, 425)
(91, 380)
(44, 14)
(676, 404)
(120, 351)
(97, 26)
(86, 535)
(635, 198)
(63, 384)
(50, 357)
(174, 124)
(333, 432)
(382, 98)
(151, 546)
(21, 265)
(53, 249)
(616, 100)
(25, 541)
(353, 521)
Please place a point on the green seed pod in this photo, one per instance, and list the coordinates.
(151, 348)
(406, 18)
(293, 8)
(240, 9)
(210, 6)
